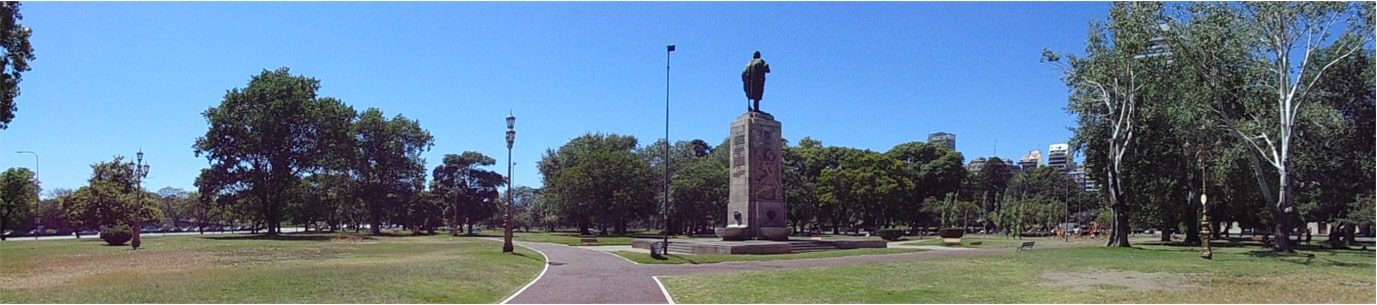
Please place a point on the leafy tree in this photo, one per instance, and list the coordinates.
(935, 170)
(699, 191)
(174, 203)
(803, 166)
(993, 180)
(18, 192)
(1107, 89)
(112, 198)
(468, 192)
(390, 170)
(14, 38)
(263, 137)
(598, 177)
(869, 183)
(1285, 50)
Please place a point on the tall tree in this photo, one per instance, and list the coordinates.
(1107, 87)
(18, 193)
(14, 39)
(173, 202)
(1291, 48)
(390, 169)
(263, 137)
(469, 192)
(699, 191)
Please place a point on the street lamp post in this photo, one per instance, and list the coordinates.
(38, 220)
(511, 138)
(664, 244)
(140, 170)
(1204, 210)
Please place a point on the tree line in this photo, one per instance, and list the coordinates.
(609, 183)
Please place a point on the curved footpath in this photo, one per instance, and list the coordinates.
(584, 276)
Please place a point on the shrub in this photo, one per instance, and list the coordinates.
(951, 232)
(891, 234)
(117, 235)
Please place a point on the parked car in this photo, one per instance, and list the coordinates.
(90, 232)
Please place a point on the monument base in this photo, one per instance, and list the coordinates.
(739, 233)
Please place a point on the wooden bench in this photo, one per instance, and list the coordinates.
(1027, 245)
(588, 241)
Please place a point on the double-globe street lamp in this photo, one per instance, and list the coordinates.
(37, 219)
(140, 170)
(511, 137)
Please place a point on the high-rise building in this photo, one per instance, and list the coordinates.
(1059, 157)
(946, 139)
(1083, 180)
(1031, 160)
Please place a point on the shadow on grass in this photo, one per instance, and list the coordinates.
(295, 237)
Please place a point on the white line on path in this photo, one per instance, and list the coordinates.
(668, 298)
(542, 274)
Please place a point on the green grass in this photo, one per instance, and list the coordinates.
(294, 268)
(644, 257)
(1236, 275)
(996, 241)
(571, 239)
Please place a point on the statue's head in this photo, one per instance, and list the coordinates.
(757, 54)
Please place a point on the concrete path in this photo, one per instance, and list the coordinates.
(594, 275)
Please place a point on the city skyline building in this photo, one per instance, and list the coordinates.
(944, 138)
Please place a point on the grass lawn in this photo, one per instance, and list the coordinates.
(644, 257)
(1143, 274)
(999, 241)
(571, 239)
(292, 268)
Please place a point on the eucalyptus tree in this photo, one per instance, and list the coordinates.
(1287, 49)
(265, 136)
(1107, 88)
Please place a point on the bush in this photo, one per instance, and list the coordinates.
(951, 232)
(117, 235)
(891, 234)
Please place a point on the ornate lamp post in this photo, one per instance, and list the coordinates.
(511, 137)
(1204, 210)
(36, 219)
(140, 171)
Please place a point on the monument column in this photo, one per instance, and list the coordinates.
(756, 208)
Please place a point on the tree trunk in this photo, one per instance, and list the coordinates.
(1118, 235)
(1283, 211)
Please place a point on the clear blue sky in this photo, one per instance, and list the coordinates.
(112, 78)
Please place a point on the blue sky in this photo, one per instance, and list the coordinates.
(112, 78)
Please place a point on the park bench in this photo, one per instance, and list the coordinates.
(1027, 245)
(588, 241)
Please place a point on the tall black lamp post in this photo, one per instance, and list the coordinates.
(665, 242)
(1204, 209)
(140, 171)
(511, 137)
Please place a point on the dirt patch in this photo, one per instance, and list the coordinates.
(1082, 281)
(59, 270)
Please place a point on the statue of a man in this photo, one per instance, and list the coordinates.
(753, 81)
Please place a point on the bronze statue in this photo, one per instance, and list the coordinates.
(753, 81)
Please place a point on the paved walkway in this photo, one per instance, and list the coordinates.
(593, 275)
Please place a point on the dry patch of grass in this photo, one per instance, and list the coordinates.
(1082, 281)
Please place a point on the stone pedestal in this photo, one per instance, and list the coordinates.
(755, 206)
